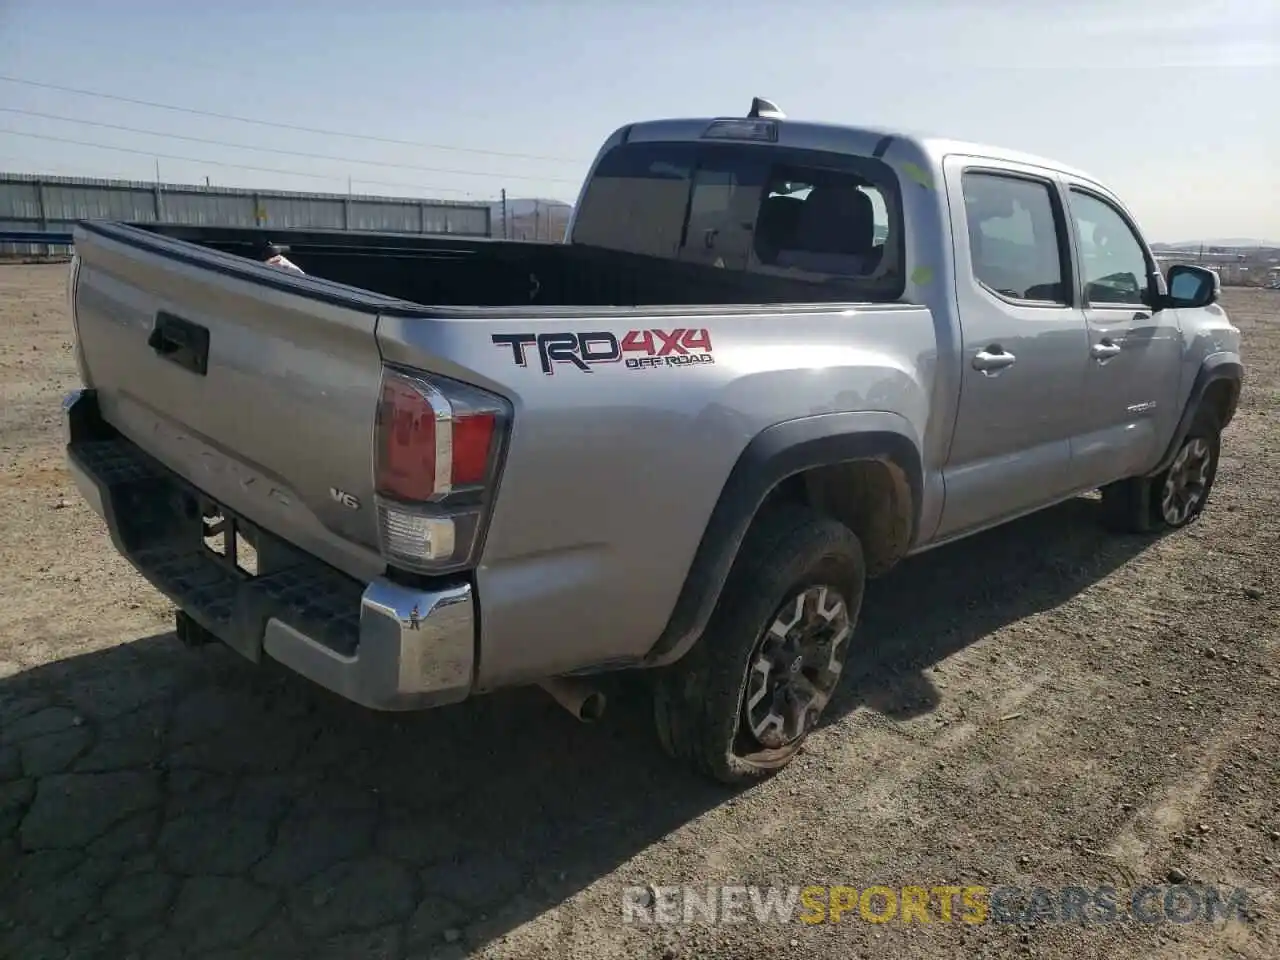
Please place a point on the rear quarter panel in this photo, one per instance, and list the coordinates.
(611, 473)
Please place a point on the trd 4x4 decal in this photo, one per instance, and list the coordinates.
(637, 350)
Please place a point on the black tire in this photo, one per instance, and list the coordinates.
(787, 558)
(1142, 504)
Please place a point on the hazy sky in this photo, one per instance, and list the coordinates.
(1172, 102)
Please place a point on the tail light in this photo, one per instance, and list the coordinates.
(438, 443)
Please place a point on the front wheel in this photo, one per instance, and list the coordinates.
(739, 705)
(1174, 497)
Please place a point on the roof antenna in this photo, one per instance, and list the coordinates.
(765, 109)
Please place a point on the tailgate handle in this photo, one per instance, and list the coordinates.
(181, 342)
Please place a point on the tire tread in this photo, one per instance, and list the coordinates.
(1130, 505)
(697, 699)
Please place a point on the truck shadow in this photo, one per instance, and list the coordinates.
(158, 800)
(944, 600)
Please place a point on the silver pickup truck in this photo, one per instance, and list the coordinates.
(771, 360)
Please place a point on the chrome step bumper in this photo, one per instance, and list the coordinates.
(384, 645)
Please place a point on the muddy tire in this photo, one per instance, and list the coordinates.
(740, 704)
(1176, 496)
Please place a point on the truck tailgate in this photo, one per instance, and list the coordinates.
(257, 387)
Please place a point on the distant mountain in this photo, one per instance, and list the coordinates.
(1217, 242)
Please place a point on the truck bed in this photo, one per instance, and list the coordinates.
(446, 271)
(270, 408)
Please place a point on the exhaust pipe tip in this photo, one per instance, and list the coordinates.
(592, 707)
(585, 702)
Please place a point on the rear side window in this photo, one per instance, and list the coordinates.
(1015, 237)
(802, 215)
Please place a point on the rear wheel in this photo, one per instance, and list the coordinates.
(739, 705)
(1174, 497)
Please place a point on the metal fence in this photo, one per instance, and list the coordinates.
(39, 204)
(1247, 267)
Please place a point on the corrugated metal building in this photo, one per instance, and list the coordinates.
(54, 204)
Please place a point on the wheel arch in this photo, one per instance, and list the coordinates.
(846, 464)
(1216, 387)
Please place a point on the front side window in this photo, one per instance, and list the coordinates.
(1014, 241)
(1112, 261)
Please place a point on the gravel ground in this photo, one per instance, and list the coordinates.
(1043, 705)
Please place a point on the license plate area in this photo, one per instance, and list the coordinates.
(229, 540)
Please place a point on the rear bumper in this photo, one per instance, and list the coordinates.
(384, 645)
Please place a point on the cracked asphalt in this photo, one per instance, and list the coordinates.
(1042, 705)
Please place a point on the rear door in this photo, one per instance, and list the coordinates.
(1023, 342)
(1131, 377)
(257, 386)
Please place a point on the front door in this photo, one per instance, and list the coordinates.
(1023, 340)
(1131, 379)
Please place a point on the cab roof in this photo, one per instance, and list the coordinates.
(842, 138)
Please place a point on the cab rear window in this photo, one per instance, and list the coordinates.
(809, 215)
(637, 198)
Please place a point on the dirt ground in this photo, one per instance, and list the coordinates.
(1044, 705)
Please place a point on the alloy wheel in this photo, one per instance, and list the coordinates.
(796, 667)
(1186, 482)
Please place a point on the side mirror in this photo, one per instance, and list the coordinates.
(1192, 286)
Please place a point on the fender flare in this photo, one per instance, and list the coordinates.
(773, 455)
(1219, 367)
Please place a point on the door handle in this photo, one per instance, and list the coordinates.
(992, 360)
(1104, 350)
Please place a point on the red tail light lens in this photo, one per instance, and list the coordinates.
(434, 436)
(407, 422)
(472, 441)
(437, 441)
